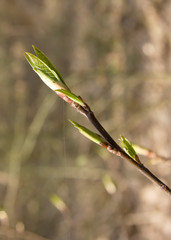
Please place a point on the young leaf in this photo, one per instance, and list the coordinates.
(72, 96)
(52, 85)
(38, 64)
(89, 134)
(127, 146)
(44, 59)
(48, 76)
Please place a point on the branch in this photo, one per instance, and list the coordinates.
(51, 77)
(114, 148)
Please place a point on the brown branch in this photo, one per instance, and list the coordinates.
(145, 171)
(112, 146)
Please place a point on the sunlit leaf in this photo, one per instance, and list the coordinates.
(48, 76)
(72, 96)
(38, 64)
(46, 60)
(127, 146)
(89, 134)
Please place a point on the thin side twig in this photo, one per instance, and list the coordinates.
(154, 157)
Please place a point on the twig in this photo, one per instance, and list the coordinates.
(113, 147)
(52, 78)
(154, 157)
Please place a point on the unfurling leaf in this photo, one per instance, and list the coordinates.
(127, 146)
(45, 69)
(72, 96)
(44, 59)
(89, 134)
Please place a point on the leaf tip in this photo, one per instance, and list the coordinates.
(72, 122)
(35, 49)
(26, 54)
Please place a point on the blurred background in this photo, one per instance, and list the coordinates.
(54, 183)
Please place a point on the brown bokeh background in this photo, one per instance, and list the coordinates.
(117, 56)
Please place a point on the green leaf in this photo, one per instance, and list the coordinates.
(48, 76)
(29, 59)
(88, 134)
(38, 64)
(128, 147)
(72, 96)
(44, 59)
